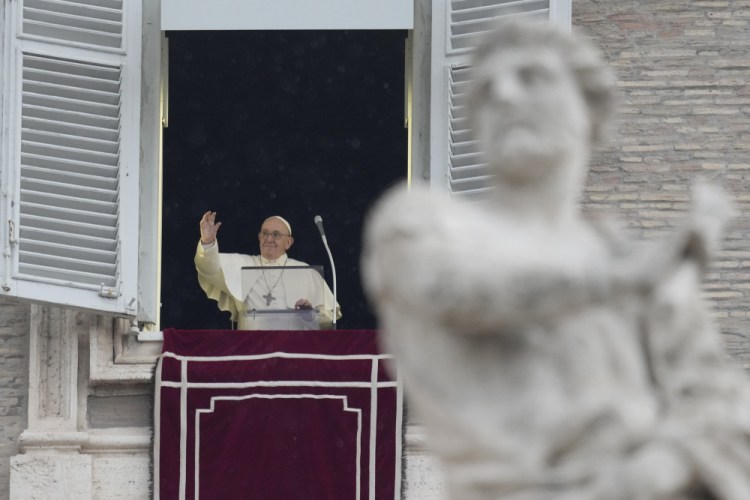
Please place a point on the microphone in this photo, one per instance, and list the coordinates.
(319, 222)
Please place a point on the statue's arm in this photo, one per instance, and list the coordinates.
(428, 256)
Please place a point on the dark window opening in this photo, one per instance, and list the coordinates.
(295, 123)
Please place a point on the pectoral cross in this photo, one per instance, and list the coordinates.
(269, 298)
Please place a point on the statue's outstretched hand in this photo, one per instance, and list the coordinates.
(209, 227)
(694, 243)
(709, 216)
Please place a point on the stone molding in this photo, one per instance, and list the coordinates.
(116, 355)
(53, 368)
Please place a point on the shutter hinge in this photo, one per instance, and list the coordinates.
(129, 307)
(109, 292)
(7, 253)
(12, 232)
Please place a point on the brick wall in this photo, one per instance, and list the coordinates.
(683, 71)
(14, 375)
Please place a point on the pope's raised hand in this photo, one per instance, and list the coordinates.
(209, 227)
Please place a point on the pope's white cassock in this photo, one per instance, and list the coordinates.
(220, 276)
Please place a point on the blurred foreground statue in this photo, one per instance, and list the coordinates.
(550, 357)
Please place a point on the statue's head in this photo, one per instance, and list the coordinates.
(540, 98)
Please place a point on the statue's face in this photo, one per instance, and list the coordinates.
(277, 241)
(529, 113)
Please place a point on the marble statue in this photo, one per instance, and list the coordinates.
(551, 356)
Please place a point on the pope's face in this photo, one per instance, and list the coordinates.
(529, 112)
(272, 248)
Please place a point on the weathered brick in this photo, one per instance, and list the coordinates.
(684, 76)
(700, 33)
(631, 159)
(646, 148)
(710, 4)
(715, 111)
(14, 371)
(641, 83)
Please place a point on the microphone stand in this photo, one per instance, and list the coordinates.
(333, 269)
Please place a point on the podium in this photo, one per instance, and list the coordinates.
(297, 415)
(271, 292)
(283, 319)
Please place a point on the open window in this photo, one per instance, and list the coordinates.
(80, 127)
(81, 143)
(296, 123)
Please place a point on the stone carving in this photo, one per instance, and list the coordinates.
(551, 356)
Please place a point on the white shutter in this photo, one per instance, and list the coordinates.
(70, 169)
(457, 25)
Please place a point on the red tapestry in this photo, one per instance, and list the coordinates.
(276, 415)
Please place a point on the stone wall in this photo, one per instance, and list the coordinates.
(14, 377)
(683, 71)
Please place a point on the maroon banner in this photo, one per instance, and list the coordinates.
(276, 415)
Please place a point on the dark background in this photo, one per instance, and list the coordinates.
(294, 123)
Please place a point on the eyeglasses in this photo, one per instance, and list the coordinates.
(274, 235)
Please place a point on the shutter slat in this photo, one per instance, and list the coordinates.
(461, 136)
(71, 178)
(66, 116)
(459, 125)
(72, 68)
(56, 228)
(68, 141)
(65, 198)
(63, 274)
(68, 215)
(465, 147)
(74, 130)
(71, 252)
(473, 184)
(106, 270)
(72, 166)
(470, 169)
(87, 240)
(90, 194)
(472, 4)
(48, 76)
(68, 153)
(87, 23)
(464, 160)
(70, 92)
(73, 105)
(111, 13)
(88, 37)
(472, 195)
(110, 4)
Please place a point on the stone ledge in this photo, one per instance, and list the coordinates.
(51, 441)
(116, 439)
